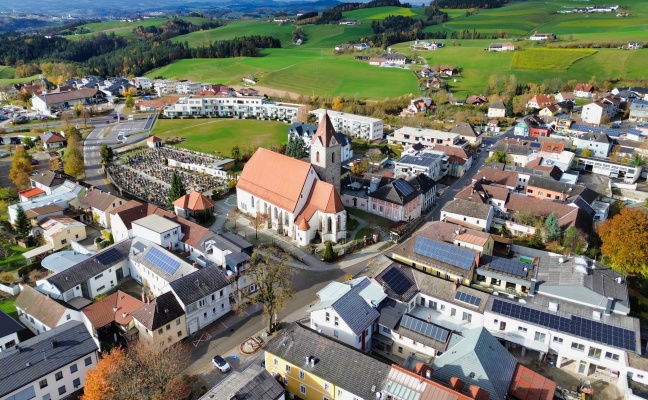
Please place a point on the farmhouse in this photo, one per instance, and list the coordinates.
(507, 46)
(476, 100)
(542, 36)
(584, 91)
(496, 109)
(447, 70)
(635, 45)
(388, 59)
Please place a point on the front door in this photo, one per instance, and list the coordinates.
(120, 274)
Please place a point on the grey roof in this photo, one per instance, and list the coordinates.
(479, 359)
(236, 240)
(497, 104)
(594, 137)
(154, 264)
(446, 291)
(81, 272)
(156, 223)
(391, 312)
(465, 129)
(354, 310)
(550, 184)
(398, 282)
(335, 362)
(48, 178)
(512, 148)
(423, 159)
(565, 281)
(9, 325)
(253, 383)
(44, 354)
(427, 333)
(202, 283)
(468, 208)
(422, 183)
(164, 309)
(398, 192)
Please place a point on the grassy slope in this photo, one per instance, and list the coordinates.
(19, 80)
(7, 305)
(122, 28)
(218, 136)
(6, 72)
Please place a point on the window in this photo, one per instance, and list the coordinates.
(67, 317)
(76, 383)
(169, 339)
(467, 317)
(100, 288)
(557, 339)
(400, 350)
(594, 353)
(432, 304)
(213, 297)
(522, 329)
(335, 333)
(178, 321)
(285, 380)
(73, 368)
(337, 321)
(539, 337)
(168, 235)
(287, 368)
(339, 392)
(47, 397)
(160, 331)
(302, 375)
(88, 361)
(276, 362)
(168, 327)
(62, 390)
(577, 346)
(453, 312)
(98, 277)
(328, 317)
(64, 241)
(326, 387)
(43, 384)
(611, 356)
(59, 375)
(386, 330)
(302, 389)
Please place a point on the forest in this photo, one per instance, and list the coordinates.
(172, 28)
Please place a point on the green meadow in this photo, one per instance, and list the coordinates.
(11, 81)
(6, 72)
(548, 59)
(125, 28)
(218, 136)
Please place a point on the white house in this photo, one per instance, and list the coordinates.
(204, 295)
(598, 143)
(408, 136)
(594, 112)
(61, 197)
(40, 313)
(233, 106)
(496, 109)
(188, 87)
(469, 214)
(353, 125)
(52, 365)
(142, 82)
(432, 163)
(307, 131)
(158, 230)
(347, 311)
(9, 329)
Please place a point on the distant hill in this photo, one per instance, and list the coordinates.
(93, 8)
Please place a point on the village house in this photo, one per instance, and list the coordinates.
(597, 111)
(496, 109)
(397, 201)
(388, 59)
(97, 205)
(542, 36)
(506, 46)
(160, 323)
(460, 160)
(540, 101)
(468, 214)
(52, 140)
(420, 105)
(468, 132)
(583, 91)
(476, 100)
(639, 111)
(61, 231)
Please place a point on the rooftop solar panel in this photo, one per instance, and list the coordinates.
(398, 282)
(467, 298)
(444, 252)
(577, 326)
(425, 328)
(162, 261)
(403, 187)
(109, 256)
(509, 266)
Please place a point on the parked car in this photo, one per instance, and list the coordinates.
(34, 162)
(220, 363)
(3, 154)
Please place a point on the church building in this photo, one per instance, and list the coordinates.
(299, 198)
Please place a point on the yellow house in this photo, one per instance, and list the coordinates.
(315, 367)
(443, 260)
(60, 231)
(161, 323)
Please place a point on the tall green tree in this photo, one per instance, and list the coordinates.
(328, 255)
(22, 225)
(107, 154)
(552, 229)
(498, 156)
(177, 189)
(295, 148)
(509, 108)
(73, 163)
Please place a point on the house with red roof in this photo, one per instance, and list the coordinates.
(187, 205)
(26, 195)
(52, 140)
(153, 142)
(112, 315)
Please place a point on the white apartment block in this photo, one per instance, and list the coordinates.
(408, 136)
(353, 125)
(188, 87)
(231, 106)
(165, 86)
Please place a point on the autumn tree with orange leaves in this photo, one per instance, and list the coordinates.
(138, 373)
(625, 241)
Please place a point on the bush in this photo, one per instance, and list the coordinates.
(25, 270)
(317, 239)
(328, 255)
(108, 236)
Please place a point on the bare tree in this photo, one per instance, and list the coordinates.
(257, 222)
(273, 281)
(233, 216)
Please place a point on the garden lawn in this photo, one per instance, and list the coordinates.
(11, 81)
(369, 219)
(15, 260)
(364, 232)
(7, 305)
(218, 135)
(544, 59)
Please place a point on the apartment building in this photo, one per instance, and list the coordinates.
(353, 125)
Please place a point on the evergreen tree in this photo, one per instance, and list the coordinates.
(552, 228)
(22, 225)
(328, 255)
(106, 153)
(509, 108)
(177, 189)
(295, 148)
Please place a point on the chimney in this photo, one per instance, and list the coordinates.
(457, 384)
(429, 317)
(532, 288)
(143, 297)
(115, 309)
(478, 393)
(312, 361)
(608, 306)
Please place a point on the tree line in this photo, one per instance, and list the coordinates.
(172, 28)
(334, 14)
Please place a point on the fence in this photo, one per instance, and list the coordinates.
(11, 289)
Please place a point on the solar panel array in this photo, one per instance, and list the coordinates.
(577, 326)
(162, 261)
(109, 256)
(443, 252)
(467, 298)
(403, 187)
(509, 266)
(425, 328)
(397, 281)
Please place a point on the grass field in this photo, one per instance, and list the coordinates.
(6, 72)
(125, 28)
(11, 81)
(300, 71)
(7, 305)
(548, 59)
(218, 136)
